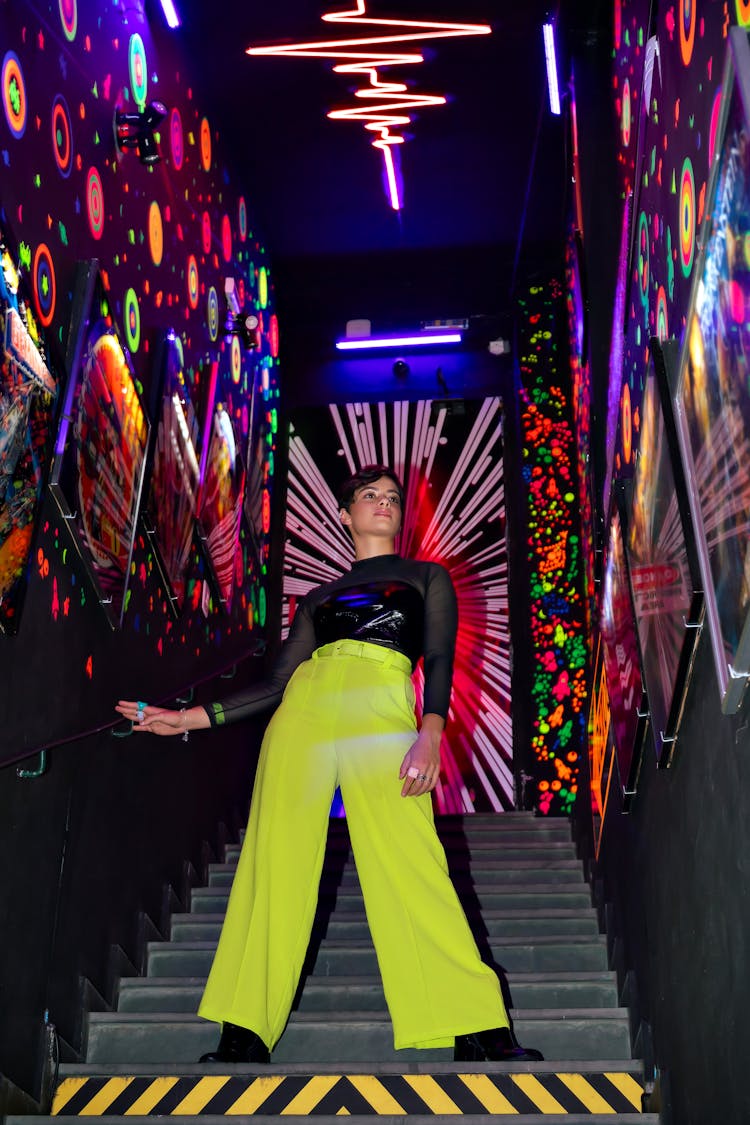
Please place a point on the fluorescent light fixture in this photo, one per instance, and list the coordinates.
(551, 57)
(424, 339)
(170, 13)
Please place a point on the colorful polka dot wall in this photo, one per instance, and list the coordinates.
(557, 605)
(155, 204)
(666, 104)
(580, 374)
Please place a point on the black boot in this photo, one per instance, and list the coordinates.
(496, 1045)
(238, 1045)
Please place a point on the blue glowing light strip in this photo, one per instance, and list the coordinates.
(551, 57)
(426, 339)
(170, 13)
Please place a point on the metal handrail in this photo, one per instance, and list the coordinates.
(184, 695)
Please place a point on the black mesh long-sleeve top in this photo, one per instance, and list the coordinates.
(400, 603)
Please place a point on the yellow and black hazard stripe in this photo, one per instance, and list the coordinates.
(390, 1094)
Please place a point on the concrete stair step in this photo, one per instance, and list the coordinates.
(477, 826)
(520, 883)
(563, 871)
(206, 927)
(530, 990)
(402, 1066)
(474, 826)
(458, 850)
(116, 1037)
(571, 1092)
(544, 954)
(540, 896)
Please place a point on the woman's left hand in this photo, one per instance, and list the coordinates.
(420, 768)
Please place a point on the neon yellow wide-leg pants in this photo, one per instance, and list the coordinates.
(347, 718)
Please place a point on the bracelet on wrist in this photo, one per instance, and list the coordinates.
(186, 732)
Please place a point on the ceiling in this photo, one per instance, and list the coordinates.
(484, 175)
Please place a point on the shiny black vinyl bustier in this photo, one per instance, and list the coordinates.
(382, 613)
(403, 604)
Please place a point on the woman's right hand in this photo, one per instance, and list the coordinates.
(161, 720)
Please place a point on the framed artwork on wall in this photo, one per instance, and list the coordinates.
(663, 564)
(256, 503)
(170, 509)
(712, 392)
(220, 502)
(101, 447)
(602, 762)
(28, 399)
(620, 649)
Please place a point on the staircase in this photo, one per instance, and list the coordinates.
(525, 897)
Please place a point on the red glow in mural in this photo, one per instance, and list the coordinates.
(454, 513)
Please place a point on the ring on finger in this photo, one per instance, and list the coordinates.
(422, 777)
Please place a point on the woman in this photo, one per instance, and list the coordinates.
(347, 719)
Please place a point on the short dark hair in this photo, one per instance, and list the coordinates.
(366, 475)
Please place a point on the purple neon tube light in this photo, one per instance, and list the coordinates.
(548, 30)
(170, 13)
(424, 339)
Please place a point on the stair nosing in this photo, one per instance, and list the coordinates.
(579, 912)
(353, 945)
(585, 976)
(111, 1019)
(624, 1066)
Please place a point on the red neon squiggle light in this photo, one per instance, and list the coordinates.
(389, 104)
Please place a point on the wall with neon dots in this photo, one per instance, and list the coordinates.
(663, 182)
(558, 607)
(166, 236)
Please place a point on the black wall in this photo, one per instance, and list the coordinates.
(673, 882)
(88, 851)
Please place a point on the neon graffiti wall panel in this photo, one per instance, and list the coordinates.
(256, 503)
(220, 503)
(450, 458)
(622, 661)
(559, 646)
(101, 447)
(602, 758)
(171, 504)
(663, 566)
(713, 393)
(28, 396)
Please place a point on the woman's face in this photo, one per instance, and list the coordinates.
(374, 510)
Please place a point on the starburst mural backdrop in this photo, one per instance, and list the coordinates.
(451, 463)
